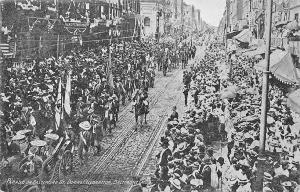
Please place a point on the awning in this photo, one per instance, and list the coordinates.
(293, 101)
(232, 34)
(244, 36)
(294, 25)
(281, 66)
(259, 51)
(281, 23)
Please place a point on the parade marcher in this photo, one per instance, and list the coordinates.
(174, 115)
(70, 136)
(185, 93)
(97, 133)
(50, 138)
(84, 139)
(115, 109)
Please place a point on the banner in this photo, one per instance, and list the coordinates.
(67, 103)
(58, 106)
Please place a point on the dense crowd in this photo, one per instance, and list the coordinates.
(226, 110)
(34, 94)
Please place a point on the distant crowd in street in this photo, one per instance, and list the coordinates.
(215, 144)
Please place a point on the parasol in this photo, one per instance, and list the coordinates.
(249, 118)
(227, 95)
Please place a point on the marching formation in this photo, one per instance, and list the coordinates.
(56, 108)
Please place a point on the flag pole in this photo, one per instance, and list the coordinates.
(264, 105)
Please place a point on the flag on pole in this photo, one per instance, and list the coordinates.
(67, 103)
(58, 106)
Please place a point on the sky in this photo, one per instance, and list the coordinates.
(211, 10)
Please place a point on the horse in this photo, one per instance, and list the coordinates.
(141, 109)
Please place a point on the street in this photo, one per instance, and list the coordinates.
(126, 150)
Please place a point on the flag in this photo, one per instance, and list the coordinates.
(111, 80)
(57, 107)
(67, 103)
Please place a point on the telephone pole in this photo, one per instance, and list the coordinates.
(264, 105)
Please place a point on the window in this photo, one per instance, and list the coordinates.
(297, 17)
(147, 21)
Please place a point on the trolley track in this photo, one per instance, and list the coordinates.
(149, 150)
(122, 126)
(128, 132)
(127, 123)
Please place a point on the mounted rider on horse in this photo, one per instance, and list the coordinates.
(141, 106)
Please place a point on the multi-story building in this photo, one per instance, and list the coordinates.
(151, 12)
(188, 17)
(294, 8)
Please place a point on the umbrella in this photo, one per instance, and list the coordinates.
(232, 88)
(249, 118)
(227, 95)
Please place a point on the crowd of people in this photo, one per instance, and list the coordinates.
(34, 93)
(226, 110)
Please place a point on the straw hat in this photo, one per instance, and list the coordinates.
(244, 180)
(286, 184)
(52, 136)
(173, 122)
(176, 183)
(23, 132)
(233, 180)
(85, 125)
(18, 137)
(196, 182)
(182, 146)
(38, 143)
(268, 176)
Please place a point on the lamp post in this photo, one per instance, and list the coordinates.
(264, 105)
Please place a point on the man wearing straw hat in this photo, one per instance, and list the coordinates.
(97, 132)
(84, 139)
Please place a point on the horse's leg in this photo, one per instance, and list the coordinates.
(141, 121)
(145, 119)
(136, 122)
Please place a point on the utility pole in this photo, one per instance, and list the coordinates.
(226, 44)
(109, 64)
(264, 106)
(1, 20)
(57, 48)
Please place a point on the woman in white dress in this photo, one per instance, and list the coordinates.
(214, 175)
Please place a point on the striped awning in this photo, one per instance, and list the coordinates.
(281, 66)
(293, 101)
(244, 36)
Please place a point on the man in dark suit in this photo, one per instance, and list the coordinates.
(206, 173)
(164, 155)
